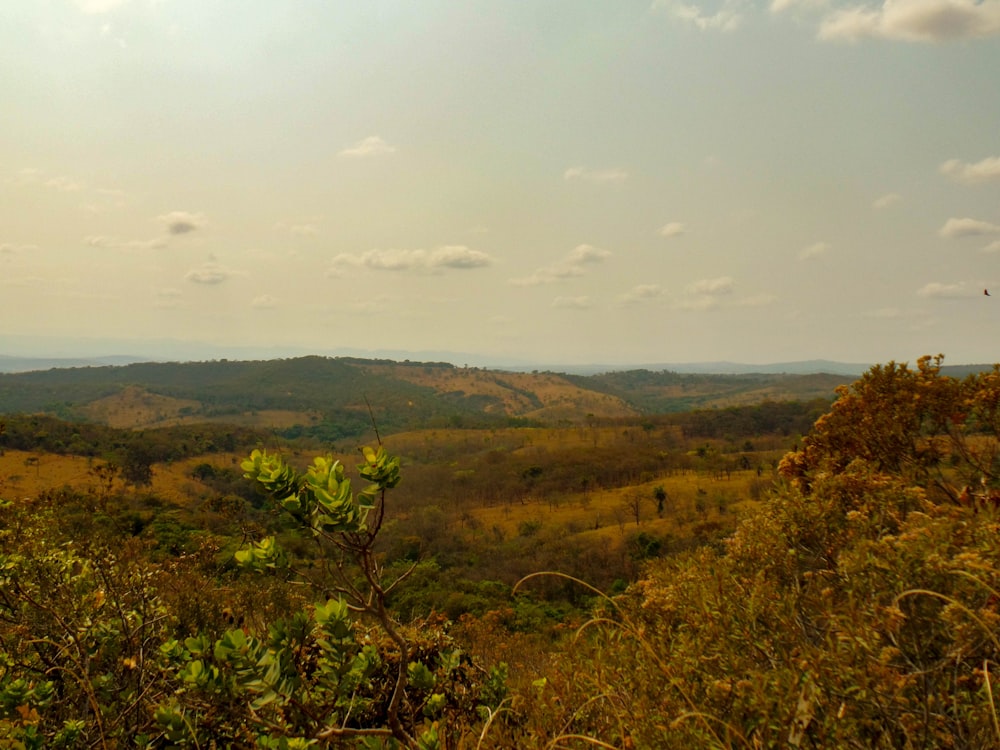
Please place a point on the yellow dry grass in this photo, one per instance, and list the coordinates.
(137, 407)
(607, 515)
(554, 396)
(25, 475)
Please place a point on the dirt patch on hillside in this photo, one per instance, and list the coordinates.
(516, 394)
(137, 407)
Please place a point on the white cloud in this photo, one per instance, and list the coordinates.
(596, 176)
(641, 293)
(548, 275)
(780, 6)
(113, 243)
(814, 250)
(954, 228)
(264, 302)
(726, 18)
(370, 146)
(302, 229)
(705, 294)
(458, 256)
(984, 171)
(889, 199)
(99, 6)
(721, 285)
(915, 21)
(64, 184)
(673, 229)
(210, 274)
(573, 303)
(993, 247)
(181, 222)
(587, 254)
(567, 268)
(937, 290)
(447, 257)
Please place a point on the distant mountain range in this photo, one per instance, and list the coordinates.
(11, 364)
(26, 354)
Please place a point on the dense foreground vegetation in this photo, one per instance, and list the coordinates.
(857, 605)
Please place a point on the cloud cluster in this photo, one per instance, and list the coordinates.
(938, 290)
(457, 257)
(95, 7)
(986, 170)
(596, 176)
(181, 222)
(814, 250)
(726, 18)
(113, 243)
(720, 285)
(370, 146)
(264, 302)
(914, 21)
(573, 303)
(210, 274)
(569, 267)
(705, 293)
(884, 201)
(59, 183)
(673, 229)
(641, 293)
(955, 228)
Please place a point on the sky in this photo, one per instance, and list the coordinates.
(554, 181)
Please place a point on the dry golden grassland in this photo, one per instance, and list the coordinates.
(137, 408)
(558, 397)
(698, 503)
(695, 503)
(27, 475)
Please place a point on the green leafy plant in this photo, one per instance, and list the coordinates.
(343, 669)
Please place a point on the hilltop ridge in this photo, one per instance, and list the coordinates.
(332, 396)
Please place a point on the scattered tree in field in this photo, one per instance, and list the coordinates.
(633, 503)
(661, 497)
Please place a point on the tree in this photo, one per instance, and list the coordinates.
(137, 464)
(918, 424)
(323, 675)
(661, 497)
(633, 505)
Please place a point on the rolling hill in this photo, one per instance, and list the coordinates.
(343, 394)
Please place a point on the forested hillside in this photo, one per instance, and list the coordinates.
(333, 398)
(708, 579)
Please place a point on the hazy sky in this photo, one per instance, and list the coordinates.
(562, 181)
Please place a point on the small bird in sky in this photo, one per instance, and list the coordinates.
(987, 292)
